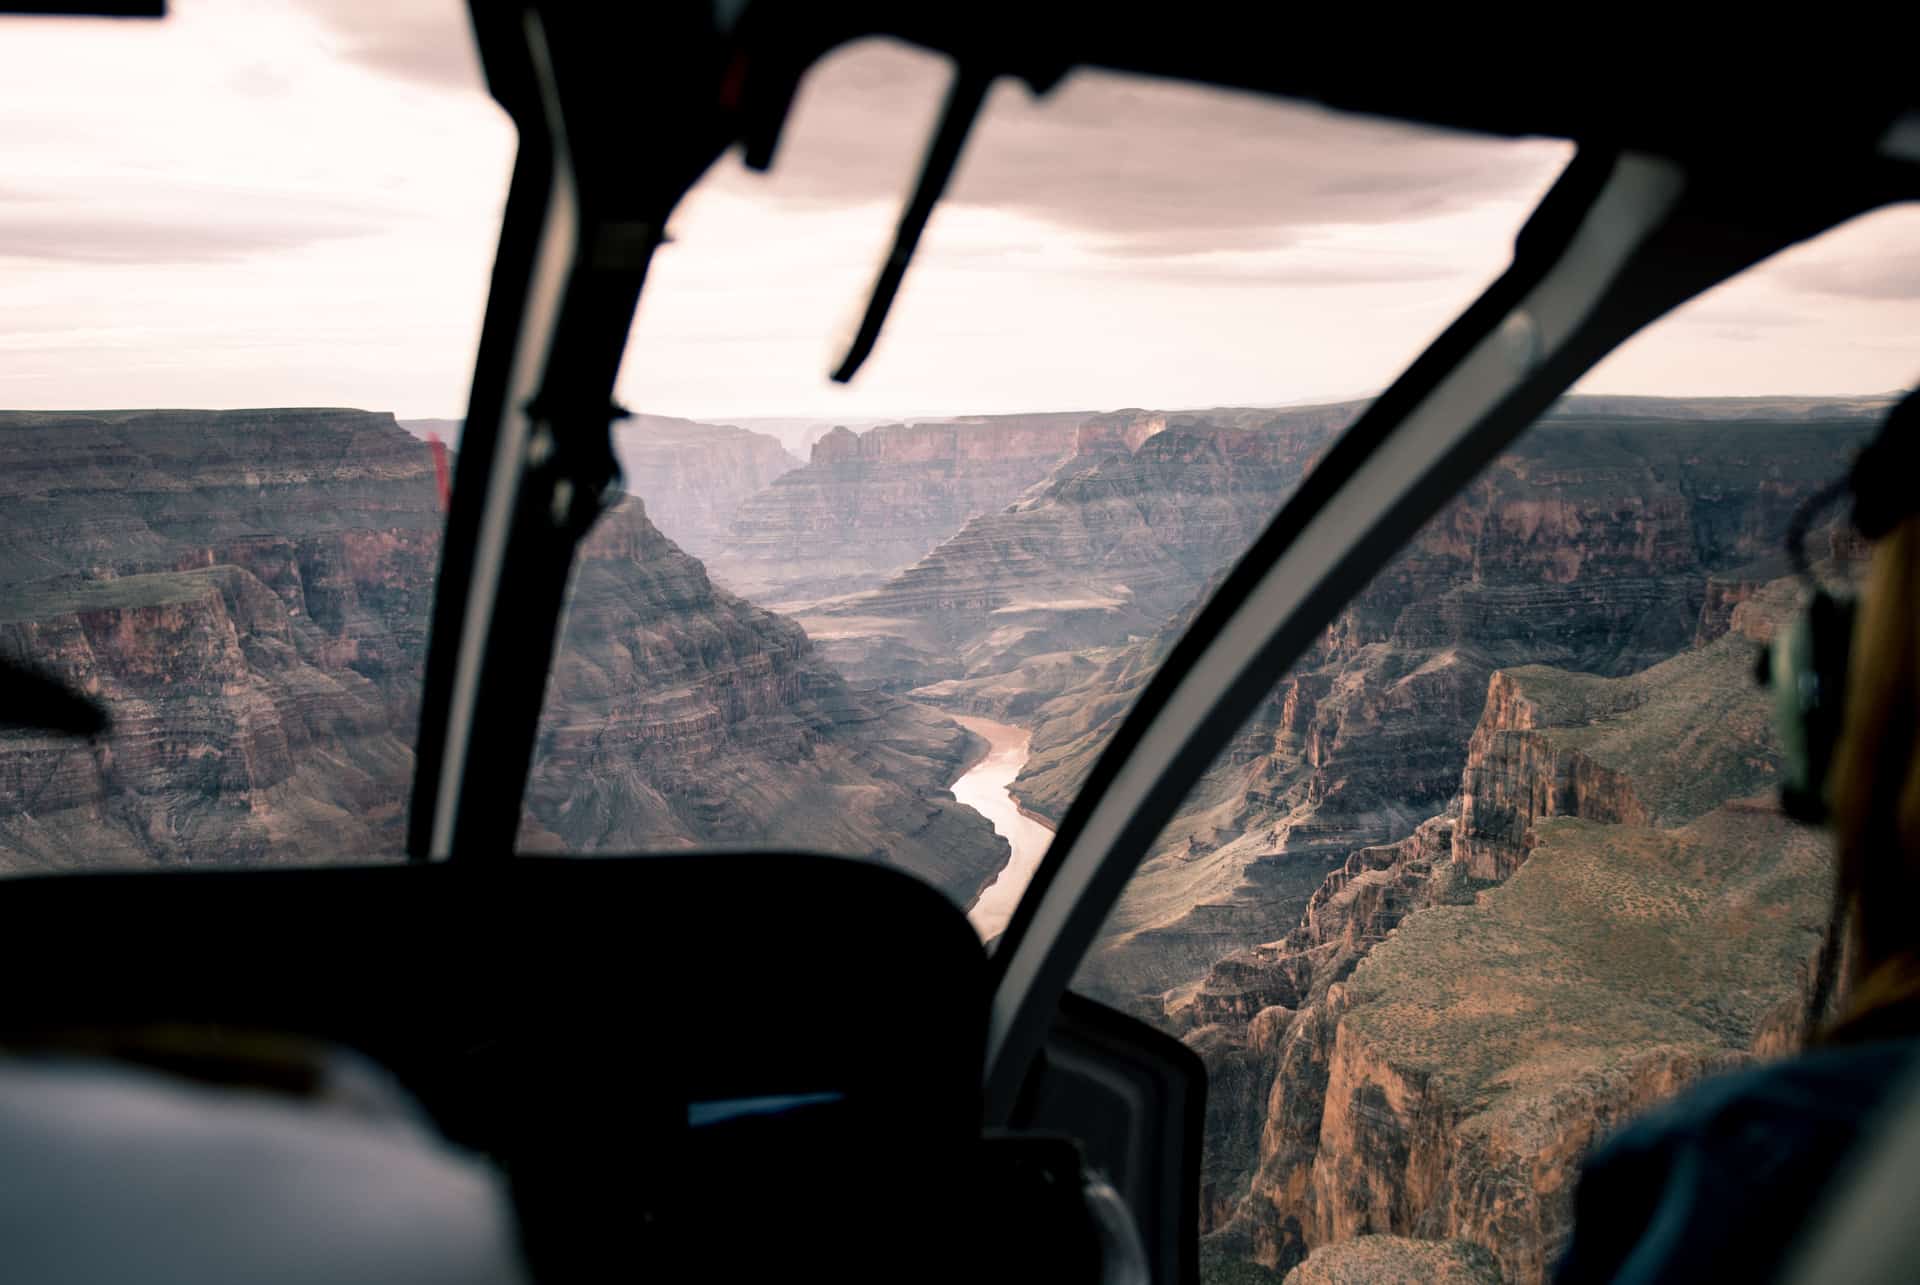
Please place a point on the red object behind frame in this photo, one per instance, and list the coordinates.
(440, 467)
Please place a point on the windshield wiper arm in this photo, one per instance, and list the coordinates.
(964, 97)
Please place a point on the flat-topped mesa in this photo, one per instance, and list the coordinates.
(867, 504)
(695, 476)
(679, 715)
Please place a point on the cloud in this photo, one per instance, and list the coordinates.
(108, 238)
(1143, 167)
(426, 42)
(170, 223)
(1891, 275)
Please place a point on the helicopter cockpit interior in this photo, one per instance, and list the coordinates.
(647, 1064)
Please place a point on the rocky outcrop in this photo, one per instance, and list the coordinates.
(679, 715)
(1473, 1007)
(1120, 535)
(1589, 546)
(867, 504)
(694, 477)
(248, 592)
(1397, 1260)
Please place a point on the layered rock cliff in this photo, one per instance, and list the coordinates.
(1612, 907)
(1149, 505)
(694, 477)
(679, 714)
(1592, 545)
(867, 504)
(248, 592)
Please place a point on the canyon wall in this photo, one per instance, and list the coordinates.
(1593, 546)
(694, 477)
(1444, 1046)
(249, 594)
(680, 715)
(1122, 533)
(867, 504)
(1396, 769)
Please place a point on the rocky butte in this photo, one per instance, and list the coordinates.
(249, 593)
(867, 504)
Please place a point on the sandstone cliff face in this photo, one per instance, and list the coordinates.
(1590, 546)
(1119, 537)
(694, 477)
(1614, 909)
(868, 504)
(679, 715)
(248, 591)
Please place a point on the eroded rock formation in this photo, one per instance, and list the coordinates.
(694, 477)
(867, 504)
(248, 592)
(1120, 535)
(1459, 1016)
(679, 714)
(1590, 546)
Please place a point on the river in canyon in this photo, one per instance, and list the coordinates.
(984, 789)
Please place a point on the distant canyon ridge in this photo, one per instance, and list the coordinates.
(1391, 918)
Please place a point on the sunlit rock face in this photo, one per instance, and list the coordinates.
(694, 477)
(680, 715)
(248, 593)
(868, 504)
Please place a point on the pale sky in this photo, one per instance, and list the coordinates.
(295, 203)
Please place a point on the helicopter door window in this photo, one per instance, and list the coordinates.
(1501, 861)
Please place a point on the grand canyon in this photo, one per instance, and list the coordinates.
(1496, 865)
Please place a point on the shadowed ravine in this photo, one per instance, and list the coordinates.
(983, 787)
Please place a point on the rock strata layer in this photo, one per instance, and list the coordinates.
(1595, 546)
(867, 504)
(680, 715)
(1119, 536)
(249, 594)
(1612, 908)
(694, 477)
